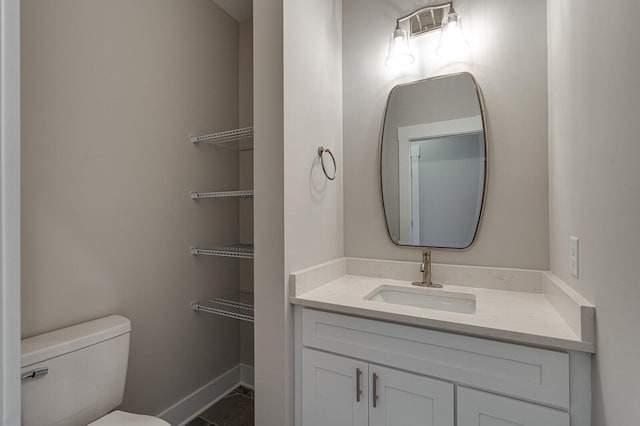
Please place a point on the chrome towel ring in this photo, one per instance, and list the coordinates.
(321, 151)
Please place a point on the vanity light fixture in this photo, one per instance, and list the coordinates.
(431, 18)
(452, 39)
(400, 54)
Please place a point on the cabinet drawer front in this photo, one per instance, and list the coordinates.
(476, 408)
(530, 373)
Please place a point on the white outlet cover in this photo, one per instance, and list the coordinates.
(573, 255)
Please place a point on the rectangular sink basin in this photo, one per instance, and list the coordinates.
(425, 298)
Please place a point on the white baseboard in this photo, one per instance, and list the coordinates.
(188, 408)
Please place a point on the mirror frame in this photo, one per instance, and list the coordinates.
(486, 160)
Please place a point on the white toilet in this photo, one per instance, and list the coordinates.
(76, 375)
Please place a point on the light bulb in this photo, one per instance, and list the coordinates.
(452, 40)
(399, 50)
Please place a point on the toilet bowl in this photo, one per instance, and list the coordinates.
(75, 376)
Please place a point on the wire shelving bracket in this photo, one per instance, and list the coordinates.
(227, 136)
(244, 251)
(228, 306)
(221, 194)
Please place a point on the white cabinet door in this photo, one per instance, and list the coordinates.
(477, 408)
(330, 385)
(404, 399)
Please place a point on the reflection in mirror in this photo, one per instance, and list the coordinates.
(433, 162)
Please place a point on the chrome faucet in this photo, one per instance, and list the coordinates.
(425, 268)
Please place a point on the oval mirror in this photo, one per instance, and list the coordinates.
(433, 162)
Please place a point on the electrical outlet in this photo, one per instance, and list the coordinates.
(573, 256)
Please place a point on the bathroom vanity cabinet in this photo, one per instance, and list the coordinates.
(358, 371)
(383, 396)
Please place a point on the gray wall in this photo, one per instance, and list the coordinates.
(111, 91)
(594, 99)
(313, 117)
(508, 58)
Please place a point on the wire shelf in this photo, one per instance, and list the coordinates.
(238, 306)
(222, 194)
(222, 138)
(244, 251)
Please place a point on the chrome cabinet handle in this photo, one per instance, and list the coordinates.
(358, 388)
(375, 390)
(35, 374)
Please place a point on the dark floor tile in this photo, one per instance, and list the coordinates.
(244, 391)
(236, 409)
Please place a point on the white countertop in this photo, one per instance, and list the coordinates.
(528, 317)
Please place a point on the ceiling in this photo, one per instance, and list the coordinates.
(240, 10)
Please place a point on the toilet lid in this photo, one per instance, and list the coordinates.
(121, 418)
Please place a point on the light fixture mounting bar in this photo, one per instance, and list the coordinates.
(427, 19)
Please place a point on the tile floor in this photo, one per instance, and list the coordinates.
(235, 409)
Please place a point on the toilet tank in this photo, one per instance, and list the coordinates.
(74, 375)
